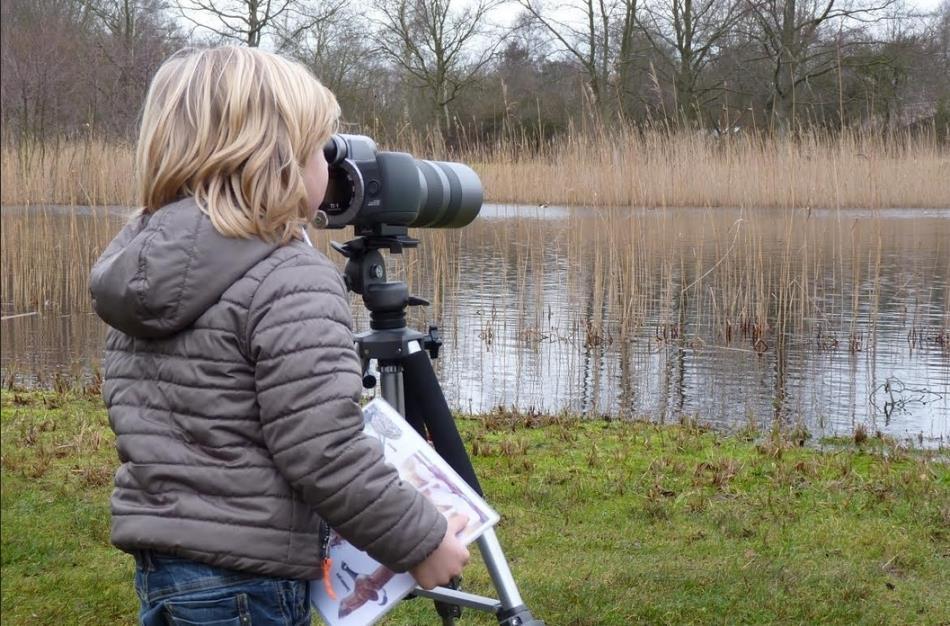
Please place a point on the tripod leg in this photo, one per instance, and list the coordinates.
(426, 405)
(498, 569)
(391, 385)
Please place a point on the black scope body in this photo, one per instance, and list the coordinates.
(368, 188)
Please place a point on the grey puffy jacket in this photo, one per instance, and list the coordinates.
(232, 385)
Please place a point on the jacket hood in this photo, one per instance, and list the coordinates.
(164, 270)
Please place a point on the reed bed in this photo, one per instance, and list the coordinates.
(579, 286)
(754, 274)
(619, 166)
(653, 168)
(589, 298)
(86, 172)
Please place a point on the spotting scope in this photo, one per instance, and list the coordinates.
(369, 189)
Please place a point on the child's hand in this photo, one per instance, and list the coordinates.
(448, 559)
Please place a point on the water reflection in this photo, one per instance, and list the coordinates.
(826, 318)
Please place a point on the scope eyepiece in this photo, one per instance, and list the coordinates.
(334, 151)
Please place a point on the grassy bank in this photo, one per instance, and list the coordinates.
(616, 166)
(604, 522)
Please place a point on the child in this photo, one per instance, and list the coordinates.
(230, 376)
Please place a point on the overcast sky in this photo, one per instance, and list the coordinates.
(926, 5)
(508, 11)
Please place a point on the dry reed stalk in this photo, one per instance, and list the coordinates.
(655, 168)
(68, 172)
(751, 274)
(623, 166)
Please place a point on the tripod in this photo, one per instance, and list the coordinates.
(409, 384)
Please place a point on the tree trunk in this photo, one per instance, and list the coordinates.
(783, 98)
(254, 26)
(625, 58)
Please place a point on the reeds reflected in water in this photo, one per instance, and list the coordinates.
(781, 314)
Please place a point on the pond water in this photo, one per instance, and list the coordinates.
(826, 319)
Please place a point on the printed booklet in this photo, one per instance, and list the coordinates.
(363, 589)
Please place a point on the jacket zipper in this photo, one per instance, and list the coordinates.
(326, 562)
(324, 540)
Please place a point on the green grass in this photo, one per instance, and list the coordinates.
(603, 522)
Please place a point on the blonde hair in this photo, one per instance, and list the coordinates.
(233, 127)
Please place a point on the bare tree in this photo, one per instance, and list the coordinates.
(80, 68)
(131, 39)
(686, 35)
(42, 45)
(125, 20)
(941, 38)
(626, 50)
(941, 31)
(308, 17)
(790, 35)
(240, 20)
(333, 43)
(587, 32)
(441, 47)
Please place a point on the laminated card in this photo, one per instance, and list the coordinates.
(364, 589)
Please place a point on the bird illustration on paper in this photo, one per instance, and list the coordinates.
(369, 588)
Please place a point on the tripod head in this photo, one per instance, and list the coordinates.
(365, 274)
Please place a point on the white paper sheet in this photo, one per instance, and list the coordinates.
(364, 589)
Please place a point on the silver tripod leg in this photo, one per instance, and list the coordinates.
(498, 569)
(393, 391)
(390, 380)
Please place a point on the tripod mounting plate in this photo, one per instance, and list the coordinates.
(369, 241)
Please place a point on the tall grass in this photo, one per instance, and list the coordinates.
(617, 166)
(655, 167)
(71, 172)
(749, 277)
(755, 276)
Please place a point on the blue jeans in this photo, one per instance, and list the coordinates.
(178, 592)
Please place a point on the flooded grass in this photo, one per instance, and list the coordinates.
(592, 297)
(603, 521)
(755, 276)
(47, 253)
(756, 272)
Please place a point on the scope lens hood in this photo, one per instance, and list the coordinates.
(453, 195)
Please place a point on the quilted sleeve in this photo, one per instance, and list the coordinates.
(308, 382)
